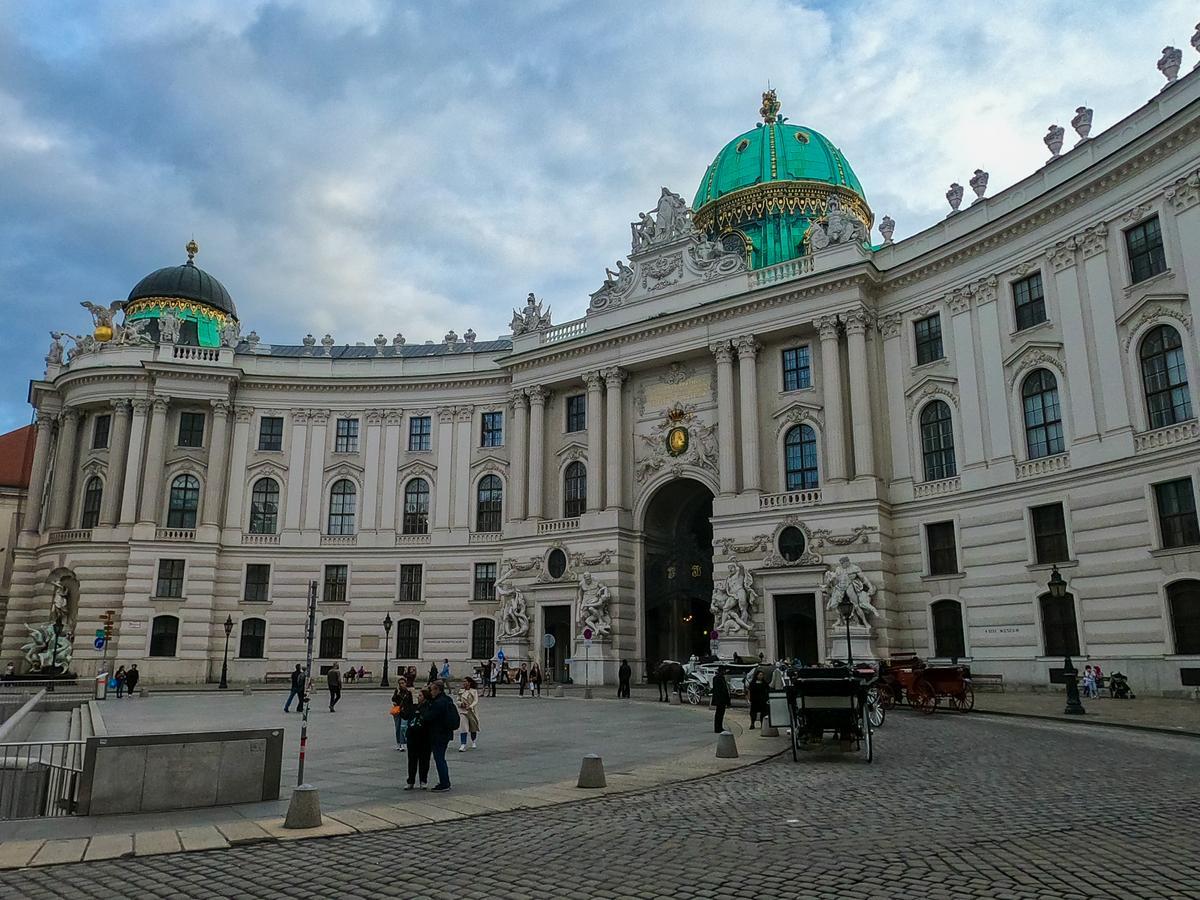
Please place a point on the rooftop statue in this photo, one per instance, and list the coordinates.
(672, 219)
(837, 228)
(532, 318)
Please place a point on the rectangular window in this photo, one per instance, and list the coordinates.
(485, 582)
(577, 412)
(170, 578)
(191, 429)
(492, 430)
(410, 583)
(1144, 244)
(258, 582)
(346, 439)
(943, 555)
(928, 332)
(419, 428)
(797, 369)
(100, 432)
(254, 636)
(270, 433)
(336, 578)
(1029, 301)
(1177, 513)
(1049, 533)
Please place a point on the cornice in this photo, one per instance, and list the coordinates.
(258, 383)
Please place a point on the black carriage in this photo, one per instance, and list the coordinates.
(830, 701)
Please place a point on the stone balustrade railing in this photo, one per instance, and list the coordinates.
(485, 537)
(784, 271)
(1166, 437)
(790, 498)
(936, 488)
(1032, 468)
(175, 534)
(564, 332)
(195, 354)
(553, 526)
(410, 539)
(339, 540)
(260, 538)
(69, 536)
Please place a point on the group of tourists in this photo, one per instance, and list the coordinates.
(425, 723)
(125, 680)
(758, 692)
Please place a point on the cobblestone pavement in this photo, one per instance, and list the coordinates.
(953, 807)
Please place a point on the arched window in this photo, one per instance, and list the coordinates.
(92, 495)
(254, 634)
(1164, 378)
(800, 458)
(264, 506)
(185, 500)
(948, 629)
(331, 639)
(164, 635)
(574, 490)
(408, 639)
(489, 504)
(416, 507)
(343, 498)
(1059, 629)
(1184, 600)
(937, 441)
(1043, 416)
(483, 638)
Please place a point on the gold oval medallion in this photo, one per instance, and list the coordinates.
(677, 441)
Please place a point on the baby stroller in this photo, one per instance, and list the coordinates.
(1118, 687)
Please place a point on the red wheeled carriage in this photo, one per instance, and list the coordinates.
(923, 687)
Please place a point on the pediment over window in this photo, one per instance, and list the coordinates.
(343, 467)
(415, 469)
(572, 451)
(266, 468)
(797, 412)
(490, 463)
(1157, 307)
(932, 386)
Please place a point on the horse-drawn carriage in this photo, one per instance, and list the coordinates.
(923, 687)
(829, 700)
(698, 683)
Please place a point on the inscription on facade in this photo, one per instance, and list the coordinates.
(654, 397)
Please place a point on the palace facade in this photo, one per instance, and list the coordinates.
(960, 413)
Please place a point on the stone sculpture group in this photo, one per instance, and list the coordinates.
(847, 580)
(733, 601)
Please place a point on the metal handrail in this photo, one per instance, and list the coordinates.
(40, 778)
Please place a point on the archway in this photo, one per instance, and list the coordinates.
(677, 571)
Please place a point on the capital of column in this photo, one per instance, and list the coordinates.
(1093, 240)
(613, 377)
(220, 408)
(120, 407)
(463, 413)
(45, 420)
(374, 416)
(827, 327)
(722, 351)
(318, 416)
(959, 301)
(747, 346)
(537, 395)
(141, 406)
(1062, 255)
(984, 290)
(70, 414)
(517, 398)
(161, 403)
(891, 325)
(593, 380)
(243, 414)
(445, 413)
(393, 416)
(857, 321)
(299, 416)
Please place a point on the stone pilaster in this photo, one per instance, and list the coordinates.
(242, 417)
(62, 487)
(862, 419)
(370, 505)
(134, 474)
(727, 456)
(614, 432)
(445, 467)
(891, 327)
(518, 487)
(155, 454)
(110, 504)
(37, 476)
(393, 420)
(463, 418)
(747, 350)
(966, 366)
(218, 455)
(1082, 407)
(595, 441)
(537, 448)
(831, 391)
(294, 492)
(314, 481)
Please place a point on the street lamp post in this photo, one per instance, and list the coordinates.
(225, 660)
(387, 640)
(1057, 586)
(846, 610)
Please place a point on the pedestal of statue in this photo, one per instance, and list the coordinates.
(743, 644)
(861, 646)
(516, 651)
(594, 664)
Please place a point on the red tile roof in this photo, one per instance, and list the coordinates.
(16, 456)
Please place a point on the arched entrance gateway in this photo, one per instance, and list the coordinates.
(677, 559)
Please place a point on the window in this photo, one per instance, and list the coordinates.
(485, 582)
(92, 496)
(264, 506)
(1177, 513)
(164, 634)
(254, 635)
(258, 582)
(574, 490)
(577, 412)
(797, 369)
(1059, 631)
(556, 563)
(1049, 534)
(489, 503)
(416, 507)
(943, 554)
(191, 429)
(1144, 244)
(270, 433)
(948, 629)
(1184, 600)
(184, 501)
(1043, 417)
(410, 583)
(1164, 378)
(331, 639)
(346, 438)
(1029, 302)
(791, 543)
(491, 429)
(342, 501)
(937, 441)
(336, 578)
(408, 639)
(483, 638)
(170, 578)
(800, 458)
(928, 332)
(100, 432)
(419, 428)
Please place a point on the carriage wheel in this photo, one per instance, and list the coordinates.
(876, 711)
(866, 727)
(887, 696)
(964, 702)
(795, 734)
(923, 699)
(912, 696)
(693, 694)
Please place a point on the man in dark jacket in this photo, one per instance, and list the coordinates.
(131, 679)
(297, 691)
(443, 722)
(623, 675)
(334, 679)
(432, 672)
(720, 699)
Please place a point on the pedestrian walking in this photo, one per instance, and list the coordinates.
(1089, 682)
(131, 679)
(720, 699)
(468, 703)
(402, 713)
(493, 678)
(420, 741)
(445, 673)
(432, 673)
(297, 691)
(119, 678)
(760, 703)
(443, 722)
(334, 679)
(485, 673)
(522, 679)
(535, 680)
(624, 674)
(1099, 680)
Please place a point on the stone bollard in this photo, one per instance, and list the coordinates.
(591, 772)
(305, 809)
(560, 691)
(675, 699)
(726, 746)
(768, 730)
(247, 691)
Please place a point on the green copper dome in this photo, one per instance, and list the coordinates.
(772, 183)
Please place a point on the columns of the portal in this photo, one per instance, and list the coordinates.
(518, 489)
(862, 422)
(747, 349)
(727, 457)
(613, 379)
(537, 448)
(595, 440)
(831, 388)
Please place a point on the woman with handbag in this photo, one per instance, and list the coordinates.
(420, 741)
(535, 680)
(468, 703)
(402, 712)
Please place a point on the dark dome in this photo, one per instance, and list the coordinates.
(186, 282)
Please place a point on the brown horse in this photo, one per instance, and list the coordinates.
(667, 673)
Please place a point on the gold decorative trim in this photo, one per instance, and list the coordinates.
(774, 160)
(758, 200)
(160, 303)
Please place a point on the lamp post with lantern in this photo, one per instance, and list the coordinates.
(1057, 586)
(387, 638)
(224, 685)
(846, 609)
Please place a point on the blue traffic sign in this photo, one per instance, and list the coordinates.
(99, 643)
(500, 655)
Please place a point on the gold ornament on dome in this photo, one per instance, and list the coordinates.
(770, 107)
(800, 196)
(103, 333)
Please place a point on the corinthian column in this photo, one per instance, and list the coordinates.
(64, 468)
(218, 454)
(595, 440)
(133, 463)
(518, 487)
(831, 389)
(37, 477)
(155, 454)
(242, 417)
(613, 379)
(537, 448)
(727, 455)
(110, 505)
(857, 321)
(747, 349)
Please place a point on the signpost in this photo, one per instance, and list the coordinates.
(548, 645)
(304, 697)
(587, 659)
(99, 643)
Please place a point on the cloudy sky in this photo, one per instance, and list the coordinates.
(361, 167)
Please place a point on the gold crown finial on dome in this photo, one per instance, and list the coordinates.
(192, 249)
(770, 106)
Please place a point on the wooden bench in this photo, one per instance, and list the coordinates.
(277, 676)
(988, 682)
